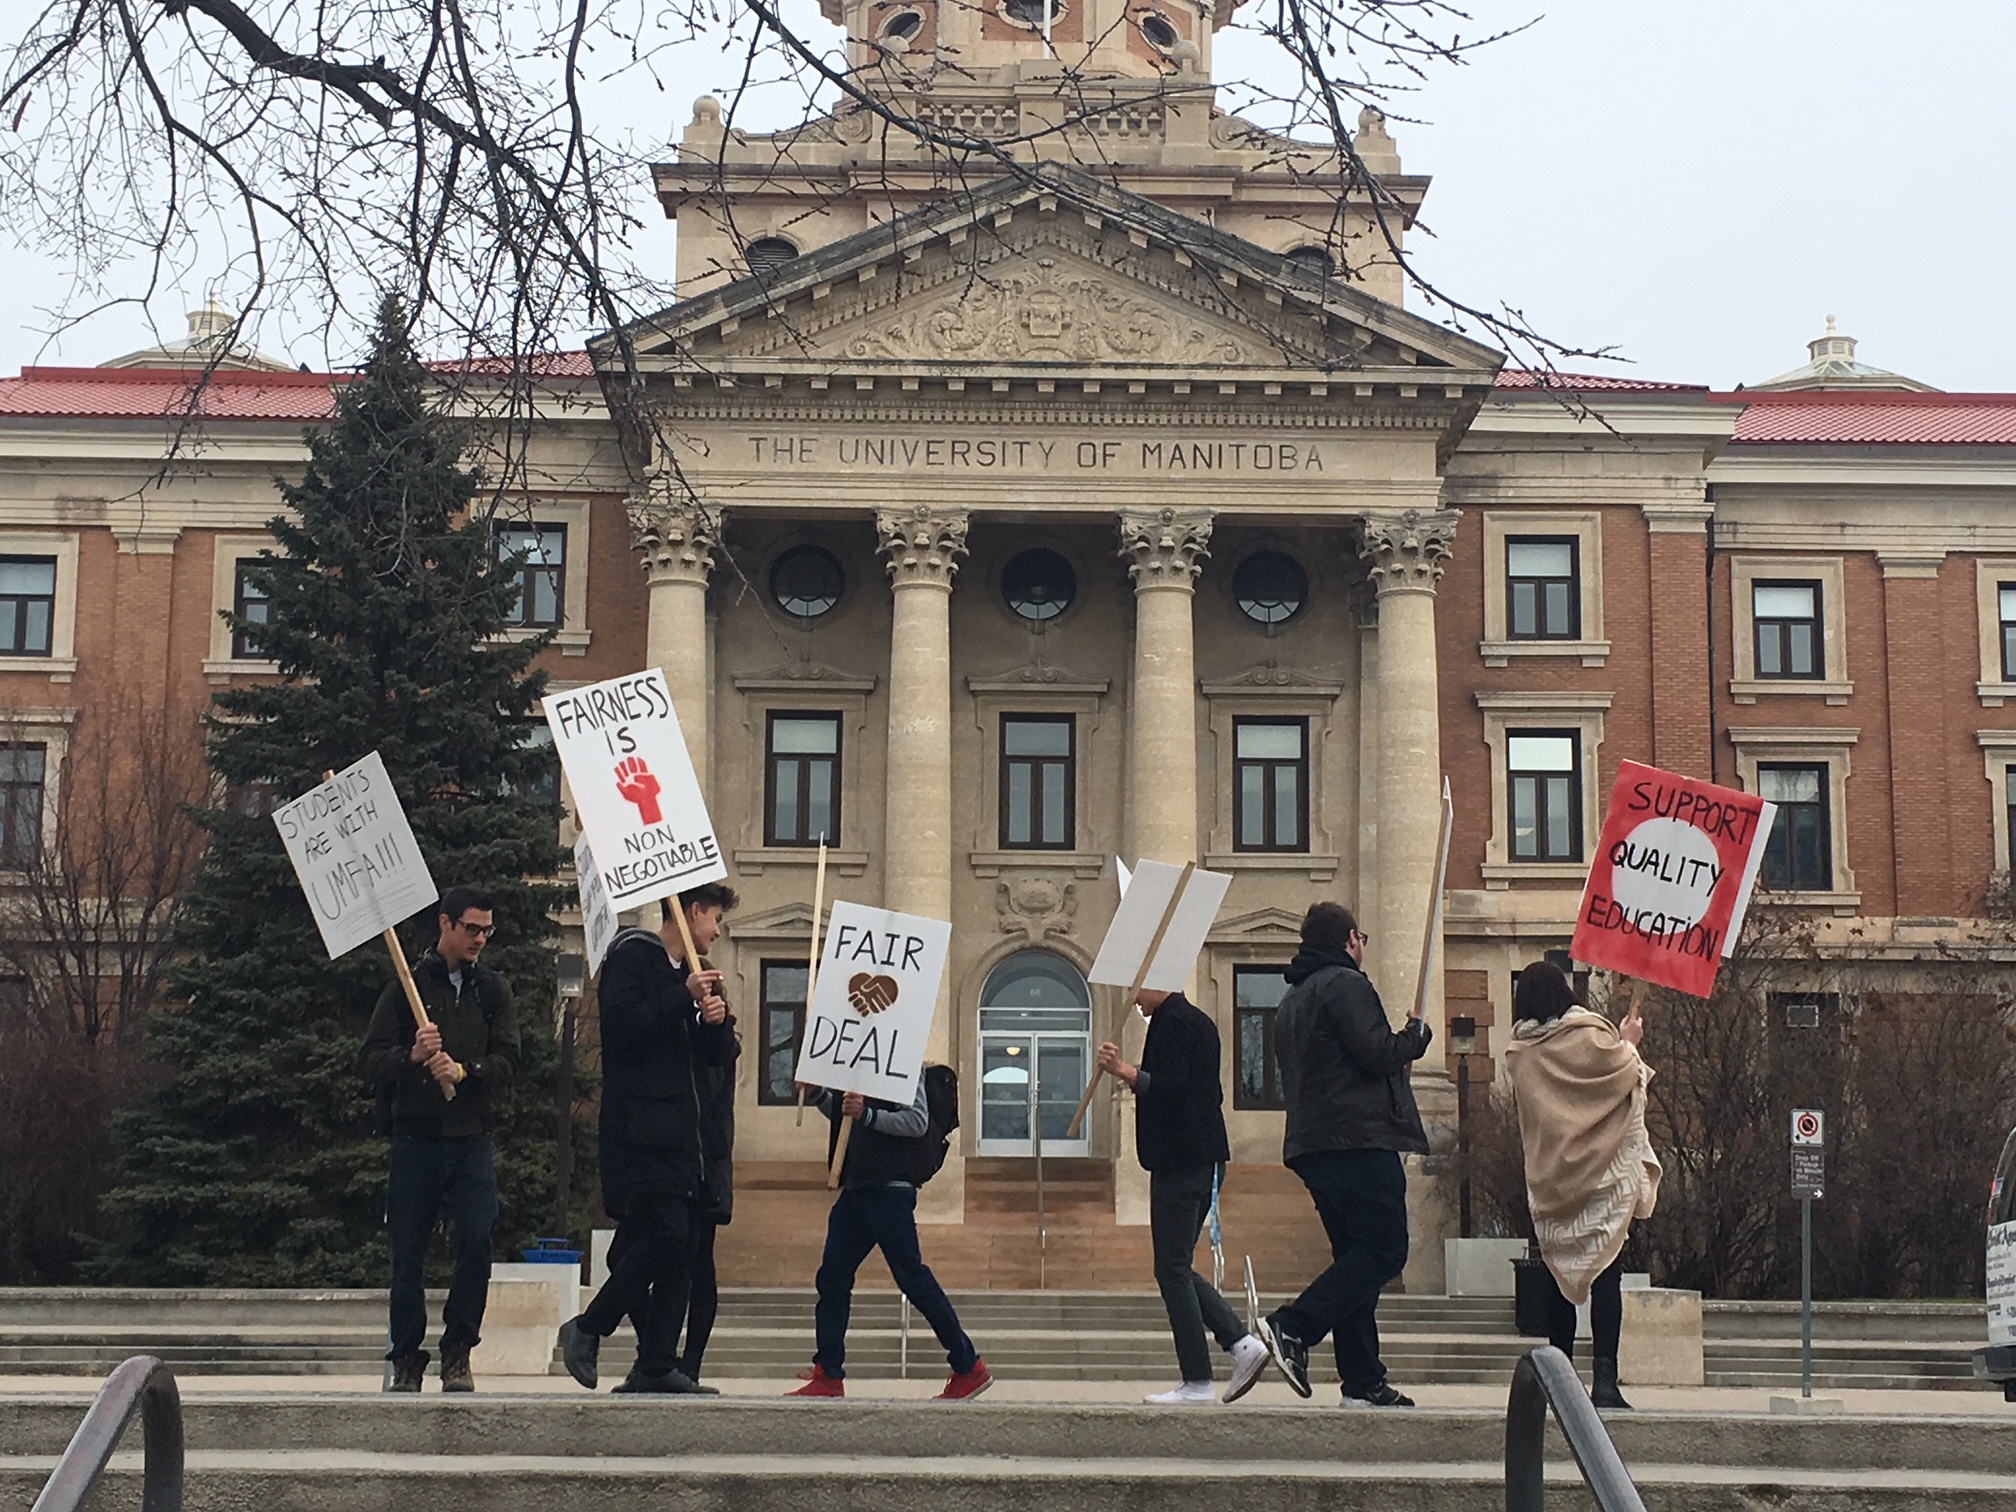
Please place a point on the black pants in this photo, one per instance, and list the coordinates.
(884, 1218)
(650, 1270)
(1361, 1196)
(1178, 1203)
(703, 1297)
(428, 1180)
(1606, 1313)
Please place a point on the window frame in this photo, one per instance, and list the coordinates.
(59, 662)
(19, 602)
(1068, 761)
(1499, 648)
(771, 758)
(1817, 622)
(240, 649)
(1577, 832)
(1269, 807)
(1272, 1099)
(1822, 807)
(1573, 632)
(1566, 712)
(525, 571)
(1997, 679)
(1745, 686)
(11, 859)
(1829, 747)
(767, 1006)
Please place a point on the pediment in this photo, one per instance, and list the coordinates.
(1263, 926)
(1065, 273)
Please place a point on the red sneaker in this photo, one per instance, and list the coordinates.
(967, 1383)
(820, 1384)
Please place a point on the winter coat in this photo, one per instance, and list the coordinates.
(1179, 1100)
(479, 1028)
(1343, 1070)
(717, 1095)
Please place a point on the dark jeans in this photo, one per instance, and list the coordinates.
(884, 1218)
(1606, 1313)
(704, 1298)
(428, 1180)
(1361, 1196)
(650, 1269)
(1178, 1204)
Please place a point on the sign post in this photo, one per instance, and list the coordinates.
(1809, 1179)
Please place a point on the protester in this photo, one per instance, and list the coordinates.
(441, 1162)
(1179, 1135)
(1579, 1085)
(661, 1023)
(1344, 1073)
(890, 1153)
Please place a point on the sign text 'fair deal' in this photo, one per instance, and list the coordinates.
(1671, 881)
(356, 856)
(634, 789)
(872, 1003)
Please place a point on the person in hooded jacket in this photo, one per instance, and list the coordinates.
(662, 1024)
(1351, 1115)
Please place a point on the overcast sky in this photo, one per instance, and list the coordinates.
(1698, 185)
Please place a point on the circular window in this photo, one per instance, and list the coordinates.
(1159, 31)
(767, 254)
(1038, 584)
(806, 582)
(1312, 260)
(1031, 13)
(902, 27)
(1271, 588)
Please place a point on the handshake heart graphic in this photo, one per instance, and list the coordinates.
(870, 994)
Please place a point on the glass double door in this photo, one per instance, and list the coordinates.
(1059, 1064)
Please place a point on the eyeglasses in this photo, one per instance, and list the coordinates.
(476, 931)
(1363, 938)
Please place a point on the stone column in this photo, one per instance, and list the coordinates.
(1404, 555)
(1164, 550)
(923, 546)
(676, 538)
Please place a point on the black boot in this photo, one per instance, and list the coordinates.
(1605, 1393)
(407, 1371)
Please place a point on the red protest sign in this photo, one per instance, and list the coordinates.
(1672, 877)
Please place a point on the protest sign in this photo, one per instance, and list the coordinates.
(634, 791)
(355, 855)
(1150, 899)
(1672, 877)
(598, 918)
(872, 1002)
(2002, 1283)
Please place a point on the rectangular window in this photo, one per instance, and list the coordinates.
(1038, 781)
(802, 758)
(783, 988)
(1270, 784)
(2005, 597)
(1543, 774)
(1796, 854)
(537, 554)
(1787, 620)
(1805, 1010)
(1543, 599)
(27, 605)
(21, 775)
(1256, 992)
(250, 604)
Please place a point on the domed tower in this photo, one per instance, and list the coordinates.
(897, 43)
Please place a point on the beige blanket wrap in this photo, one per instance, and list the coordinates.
(1590, 1170)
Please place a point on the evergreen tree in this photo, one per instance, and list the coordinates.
(253, 1161)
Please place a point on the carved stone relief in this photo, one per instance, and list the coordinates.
(1036, 906)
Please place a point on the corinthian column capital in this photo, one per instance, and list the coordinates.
(675, 537)
(1164, 548)
(923, 544)
(1406, 552)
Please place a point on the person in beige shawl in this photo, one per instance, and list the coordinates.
(1579, 1087)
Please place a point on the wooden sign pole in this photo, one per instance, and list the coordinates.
(1434, 924)
(839, 1153)
(812, 955)
(420, 1019)
(1133, 992)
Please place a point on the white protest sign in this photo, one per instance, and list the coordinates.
(1142, 908)
(356, 856)
(2002, 1283)
(634, 790)
(871, 1008)
(598, 919)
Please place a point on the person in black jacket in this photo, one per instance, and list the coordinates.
(441, 1161)
(662, 1025)
(1179, 1134)
(1344, 1073)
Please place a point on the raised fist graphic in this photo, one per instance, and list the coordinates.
(635, 782)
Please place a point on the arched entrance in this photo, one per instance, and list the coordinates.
(1035, 1020)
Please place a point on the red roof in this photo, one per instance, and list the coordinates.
(166, 394)
(1853, 418)
(539, 364)
(1599, 383)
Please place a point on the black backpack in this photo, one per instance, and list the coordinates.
(941, 1108)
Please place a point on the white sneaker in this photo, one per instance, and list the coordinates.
(1249, 1358)
(1189, 1394)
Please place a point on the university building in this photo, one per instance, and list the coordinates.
(993, 530)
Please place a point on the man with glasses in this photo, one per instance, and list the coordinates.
(1351, 1114)
(440, 1164)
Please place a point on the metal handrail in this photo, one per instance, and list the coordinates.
(144, 1385)
(1544, 1378)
